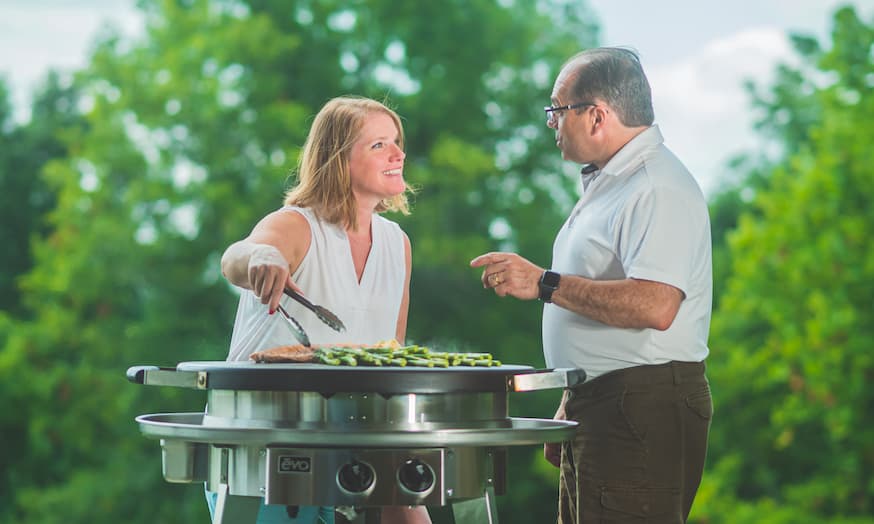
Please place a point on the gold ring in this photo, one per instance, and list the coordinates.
(498, 280)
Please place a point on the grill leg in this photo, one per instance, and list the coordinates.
(477, 511)
(234, 509)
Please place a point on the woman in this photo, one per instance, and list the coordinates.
(329, 242)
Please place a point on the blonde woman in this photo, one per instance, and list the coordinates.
(330, 242)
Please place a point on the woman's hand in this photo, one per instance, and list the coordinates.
(268, 274)
(264, 261)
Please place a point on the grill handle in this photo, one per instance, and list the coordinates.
(547, 379)
(156, 376)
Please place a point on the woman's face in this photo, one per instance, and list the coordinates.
(376, 162)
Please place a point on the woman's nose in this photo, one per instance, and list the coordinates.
(398, 152)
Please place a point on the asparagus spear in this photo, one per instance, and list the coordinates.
(412, 355)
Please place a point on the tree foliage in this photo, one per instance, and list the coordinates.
(25, 197)
(791, 363)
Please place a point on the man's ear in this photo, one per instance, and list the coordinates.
(598, 118)
(600, 114)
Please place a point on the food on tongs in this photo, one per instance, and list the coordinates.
(387, 353)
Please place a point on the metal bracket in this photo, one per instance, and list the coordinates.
(156, 376)
(549, 379)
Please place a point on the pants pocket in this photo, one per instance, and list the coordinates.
(640, 505)
(641, 411)
(701, 402)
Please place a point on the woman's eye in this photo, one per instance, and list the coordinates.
(378, 145)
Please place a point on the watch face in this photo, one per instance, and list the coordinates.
(550, 278)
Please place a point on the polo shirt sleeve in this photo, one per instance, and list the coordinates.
(660, 236)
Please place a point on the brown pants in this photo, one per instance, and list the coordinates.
(638, 454)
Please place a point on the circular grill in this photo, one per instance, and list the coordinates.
(310, 434)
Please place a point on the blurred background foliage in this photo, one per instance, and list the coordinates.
(119, 195)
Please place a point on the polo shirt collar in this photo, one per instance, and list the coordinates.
(629, 157)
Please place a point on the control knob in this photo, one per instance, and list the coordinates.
(356, 477)
(416, 476)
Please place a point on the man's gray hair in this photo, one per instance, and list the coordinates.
(614, 75)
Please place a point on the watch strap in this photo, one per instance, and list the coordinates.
(548, 284)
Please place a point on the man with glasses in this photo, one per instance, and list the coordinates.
(627, 299)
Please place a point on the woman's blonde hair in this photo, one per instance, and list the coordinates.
(323, 180)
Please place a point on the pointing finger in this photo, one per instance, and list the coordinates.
(488, 258)
(481, 260)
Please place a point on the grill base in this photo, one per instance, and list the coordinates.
(299, 466)
(377, 477)
(339, 477)
(232, 509)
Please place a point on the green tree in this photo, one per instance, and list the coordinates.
(25, 200)
(191, 136)
(791, 364)
(24, 196)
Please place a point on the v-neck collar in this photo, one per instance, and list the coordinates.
(366, 271)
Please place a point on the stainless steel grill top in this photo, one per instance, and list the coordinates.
(329, 379)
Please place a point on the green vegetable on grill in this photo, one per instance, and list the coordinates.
(400, 356)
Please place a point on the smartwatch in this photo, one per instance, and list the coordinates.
(548, 284)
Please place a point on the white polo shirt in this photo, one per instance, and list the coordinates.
(642, 216)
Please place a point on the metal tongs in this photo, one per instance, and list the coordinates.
(324, 314)
(296, 328)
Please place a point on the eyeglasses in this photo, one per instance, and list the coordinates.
(552, 112)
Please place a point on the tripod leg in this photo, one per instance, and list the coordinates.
(477, 511)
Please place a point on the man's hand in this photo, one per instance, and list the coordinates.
(552, 450)
(509, 274)
(552, 453)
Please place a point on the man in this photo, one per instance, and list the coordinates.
(627, 299)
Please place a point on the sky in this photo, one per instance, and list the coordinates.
(697, 54)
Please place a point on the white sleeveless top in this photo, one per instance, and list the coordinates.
(326, 275)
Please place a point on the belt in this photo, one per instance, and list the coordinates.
(673, 372)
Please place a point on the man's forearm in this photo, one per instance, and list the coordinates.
(628, 303)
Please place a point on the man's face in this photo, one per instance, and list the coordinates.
(569, 124)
